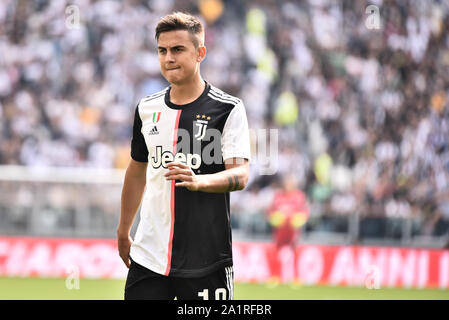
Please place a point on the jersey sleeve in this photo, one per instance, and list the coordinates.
(139, 150)
(235, 141)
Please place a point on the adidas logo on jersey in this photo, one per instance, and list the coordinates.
(154, 131)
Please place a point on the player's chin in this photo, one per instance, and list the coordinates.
(175, 79)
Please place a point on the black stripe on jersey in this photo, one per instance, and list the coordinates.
(157, 93)
(222, 93)
(139, 150)
(223, 96)
(222, 100)
(154, 96)
(199, 253)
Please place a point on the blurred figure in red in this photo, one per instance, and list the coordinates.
(287, 214)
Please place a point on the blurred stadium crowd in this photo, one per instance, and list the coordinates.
(362, 113)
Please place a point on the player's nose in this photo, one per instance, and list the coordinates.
(169, 57)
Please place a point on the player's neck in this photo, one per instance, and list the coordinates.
(187, 92)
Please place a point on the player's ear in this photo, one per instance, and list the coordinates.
(201, 53)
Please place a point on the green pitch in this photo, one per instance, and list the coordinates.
(55, 288)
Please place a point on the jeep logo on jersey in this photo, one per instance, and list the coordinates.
(163, 158)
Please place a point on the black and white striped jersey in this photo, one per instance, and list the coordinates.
(184, 233)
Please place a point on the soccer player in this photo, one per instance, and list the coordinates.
(190, 149)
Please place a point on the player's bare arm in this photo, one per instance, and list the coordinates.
(132, 192)
(233, 178)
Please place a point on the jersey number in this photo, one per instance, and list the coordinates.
(220, 294)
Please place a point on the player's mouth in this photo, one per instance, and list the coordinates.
(171, 69)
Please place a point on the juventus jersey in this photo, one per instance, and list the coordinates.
(184, 233)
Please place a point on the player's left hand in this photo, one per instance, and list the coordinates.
(180, 171)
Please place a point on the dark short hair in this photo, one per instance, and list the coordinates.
(181, 21)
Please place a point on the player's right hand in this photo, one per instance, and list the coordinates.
(124, 246)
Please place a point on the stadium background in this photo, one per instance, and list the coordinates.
(361, 111)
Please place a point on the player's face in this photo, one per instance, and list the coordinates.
(179, 59)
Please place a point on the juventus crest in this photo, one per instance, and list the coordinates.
(201, 123)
